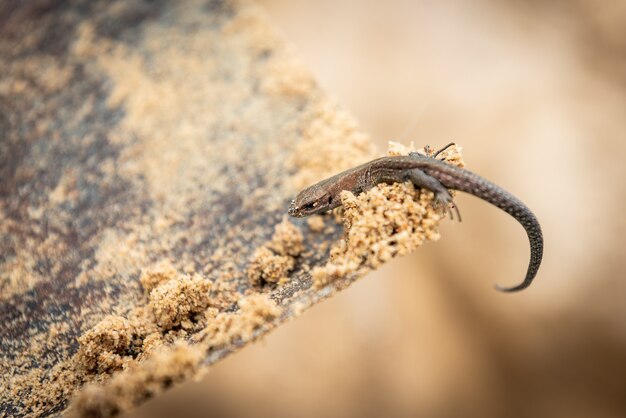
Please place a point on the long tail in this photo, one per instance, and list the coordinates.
(460, 179)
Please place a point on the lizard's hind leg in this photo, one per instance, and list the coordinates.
(428, 151)
(443, 149)
(442, 196)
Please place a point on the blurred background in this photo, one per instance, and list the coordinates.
(535, 92)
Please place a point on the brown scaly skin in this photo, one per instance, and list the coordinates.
(432, 174)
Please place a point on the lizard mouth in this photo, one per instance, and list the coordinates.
(292, 211)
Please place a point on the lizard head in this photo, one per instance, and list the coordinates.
(312, 200)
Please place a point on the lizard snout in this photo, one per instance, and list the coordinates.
(292, 208)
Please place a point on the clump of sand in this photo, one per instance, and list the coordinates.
(176, 300)
(272, 262)
(103, 347)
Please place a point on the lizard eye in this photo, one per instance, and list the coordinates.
(330, 200)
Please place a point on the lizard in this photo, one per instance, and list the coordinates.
(427, 172)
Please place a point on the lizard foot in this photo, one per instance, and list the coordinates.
(429, 152)
(444, 200)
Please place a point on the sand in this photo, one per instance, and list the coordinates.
(148, 159)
